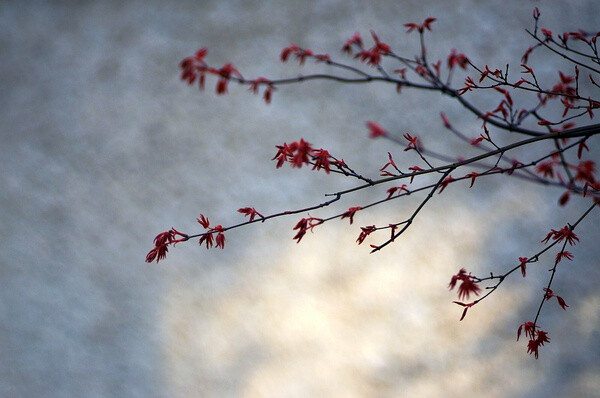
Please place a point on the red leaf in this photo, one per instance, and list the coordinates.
(375, 130)
(203, 221)
(350, 213)
(523, 265)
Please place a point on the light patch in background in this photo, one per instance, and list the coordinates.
(325, 318)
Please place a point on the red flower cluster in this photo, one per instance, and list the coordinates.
(546, 168)
(420, 27)
(537, 338)
(225, 74)
(384, 172)
(162, 242)
(373, 55)
(321, 158)
(413, 142)
(250, 212)
(585, 171)
(304, 225)
(459, 59)
(564, 87)
(469, 85)
(296, 153)
(354, 40)
(207, 237)
(195, 67)
(467, 286)
(563, 254)
(365, 231)
(301, 152)
(255, 84)
(300, 53)
(563, 233)
(496, 72)
(580, 35)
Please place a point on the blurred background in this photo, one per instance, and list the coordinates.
(103, 147)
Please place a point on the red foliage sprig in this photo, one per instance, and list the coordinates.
(529, 123)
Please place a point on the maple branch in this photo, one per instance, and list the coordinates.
(409, 221)
(553, 270)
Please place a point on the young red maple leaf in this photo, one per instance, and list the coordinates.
(220, 239)
(467, 306)
(350, 213)
(208, 239)
(157, 253)
(399, 189)
(300, 53)
(391, 163)
(533, 347)
(304, 225)
(375, 130)
(373, 55)
(529, 329)
(546, 168)
(459, 59)
(523, 265)
(549, 294)
(585, 171)
(251, 212)
(563, 254)
(564, 198)
(414, 169)
(203, 221)
(380, 46)
(162, 242)
(322, 160)
(561, 301)
(540, 337)
(354, 40)
(467, 286)
(268, 93)
(420, 27)
(284, 153)
(413, 142)
(285, 53)
(445, 183)
(365, 231)
(547, 33)
(473, 175)
(301, 226)
(563, 233)
(580, 148)
(302, 150)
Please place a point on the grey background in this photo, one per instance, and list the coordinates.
(103, 147)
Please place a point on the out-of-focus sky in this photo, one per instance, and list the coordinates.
(103, 147)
